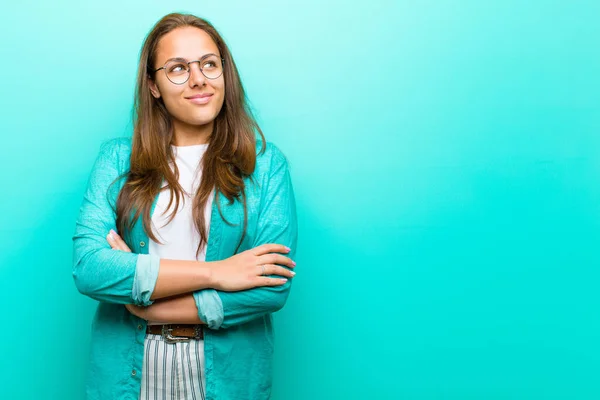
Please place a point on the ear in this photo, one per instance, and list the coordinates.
(153, 88)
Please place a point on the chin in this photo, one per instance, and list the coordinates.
(198, 117)
(201, 120)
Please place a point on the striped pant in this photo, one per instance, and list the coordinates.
(172, 370)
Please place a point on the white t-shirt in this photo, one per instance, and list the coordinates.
(180, 238)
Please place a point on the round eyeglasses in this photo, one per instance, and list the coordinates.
(178, 69)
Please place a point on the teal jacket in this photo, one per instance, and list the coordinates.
(238, 343)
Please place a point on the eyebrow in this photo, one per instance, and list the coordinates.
(184, 60)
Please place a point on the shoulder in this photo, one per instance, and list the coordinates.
(116, 151)
(271, 159)
(116, 146)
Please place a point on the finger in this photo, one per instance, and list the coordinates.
(277, 259)
(271, 269)
(123, 246)
(264, 281)
(270, 248)
(120, 243)
(111, 242)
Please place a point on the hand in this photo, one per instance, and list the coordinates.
(140, 312)
(116, 242)
(245, 270)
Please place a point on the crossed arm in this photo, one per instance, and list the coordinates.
(179, 309)
(232, 294)
(182, 308)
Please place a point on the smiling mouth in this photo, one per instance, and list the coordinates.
(200, 100)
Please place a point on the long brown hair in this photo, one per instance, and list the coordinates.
(231, 152)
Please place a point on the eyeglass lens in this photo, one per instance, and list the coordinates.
(178, 72)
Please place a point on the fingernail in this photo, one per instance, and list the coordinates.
(294, 262)
(113, 234)
(288, 249)
(283, 280)
(293, 273)
(110, 236)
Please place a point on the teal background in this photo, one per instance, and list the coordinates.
(445, 157)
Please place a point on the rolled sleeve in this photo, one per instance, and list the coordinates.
(210, 307)
(144, 280)
(276, 224)
(100, 272)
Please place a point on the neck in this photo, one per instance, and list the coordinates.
(190, 135)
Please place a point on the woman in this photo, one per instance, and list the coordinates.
(204, 213)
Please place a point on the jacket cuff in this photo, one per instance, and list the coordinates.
(144, 280)
(210, 307)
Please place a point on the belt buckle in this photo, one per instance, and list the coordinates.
(169, 338)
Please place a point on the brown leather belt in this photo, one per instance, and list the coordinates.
(177, 332)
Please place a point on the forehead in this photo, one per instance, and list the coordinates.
(187, 42)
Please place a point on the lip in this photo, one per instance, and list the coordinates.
(200, 98)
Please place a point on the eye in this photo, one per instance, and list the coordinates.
(177, 68)
(209, 64)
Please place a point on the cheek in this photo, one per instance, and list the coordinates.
(221, 99)
(220, 88)
(172, 103)
(170, 95)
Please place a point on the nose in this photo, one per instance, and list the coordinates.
(197, 78)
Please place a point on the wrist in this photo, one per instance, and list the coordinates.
(206, 275)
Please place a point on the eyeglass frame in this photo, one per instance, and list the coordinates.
(190, 68)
